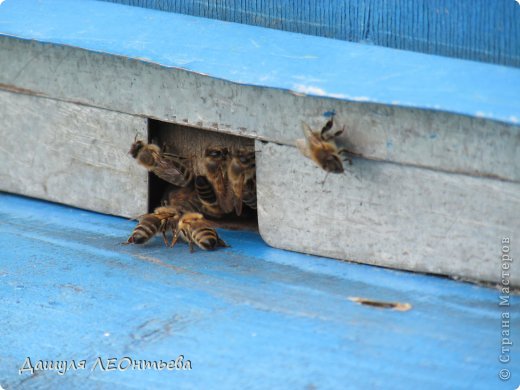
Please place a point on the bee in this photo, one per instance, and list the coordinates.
(184, 199)
(207, 197)
(249, 197)
(170, 168)
(241, 171)
(213, 166)
(194, 229)
(321, 148)
(161, 220)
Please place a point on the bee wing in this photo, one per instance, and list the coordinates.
(239, 195)
(226, 200)
(165, 215)
(173, 169)
(307, 131)
(175, 156)
(138, 217)
(303, 147)
(220, 187)
(249, 197)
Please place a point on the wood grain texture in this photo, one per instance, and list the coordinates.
(387, 214)
(71, 154)
(466, 29)
(188, 141)
(241, 54)
(247, 317)
(431, 139)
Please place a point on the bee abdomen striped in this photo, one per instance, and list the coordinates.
(145, 229)
(205, 238)
(205, 190)
(249, 197)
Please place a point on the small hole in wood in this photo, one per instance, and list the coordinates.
(382, 305)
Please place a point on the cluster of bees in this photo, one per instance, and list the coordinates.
(215, 184)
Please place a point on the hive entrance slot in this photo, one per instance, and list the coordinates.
(192, 143)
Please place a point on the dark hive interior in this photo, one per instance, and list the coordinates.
(188, 142)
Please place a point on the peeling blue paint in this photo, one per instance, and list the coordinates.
(329, 114)
(469, 29)
(248, 316)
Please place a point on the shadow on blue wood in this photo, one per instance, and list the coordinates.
(469, 29)
(269, 58)
(246, 317)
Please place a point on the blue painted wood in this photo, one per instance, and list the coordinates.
(469, 29)
(246, 317)
(270, 58)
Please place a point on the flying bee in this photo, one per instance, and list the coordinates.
(321, 147)
(194, 229)
(207, 197)
(171, 168)
(242, 170)
(161, 220)
(213, 166)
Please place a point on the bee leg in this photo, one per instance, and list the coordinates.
(129, 241)
(325, 179)
(174, 239)
(165, 238)
(327, 135)
(327, 126)
(222, 243)
(345, 154)
(237, 199)
(191, 247)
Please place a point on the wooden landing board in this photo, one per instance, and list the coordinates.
(71, 154)
(246, 317)
(387, 214)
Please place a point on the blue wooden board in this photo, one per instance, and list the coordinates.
(470, 29)
(270, 58)
(246, 317)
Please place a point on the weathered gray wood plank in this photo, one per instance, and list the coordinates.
(437, 140)
(71, 154)
(387, 214)
(189, 142)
